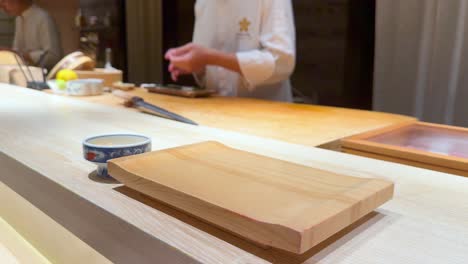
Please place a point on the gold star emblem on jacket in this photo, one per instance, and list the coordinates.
(244, 25)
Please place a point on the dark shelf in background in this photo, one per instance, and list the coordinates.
(178, 23)
(335, 49)
(113, 36)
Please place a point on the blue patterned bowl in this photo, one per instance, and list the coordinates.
(100, 149)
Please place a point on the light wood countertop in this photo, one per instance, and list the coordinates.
(41, 160)
(15, 249)
(36, 237)
(308, 125)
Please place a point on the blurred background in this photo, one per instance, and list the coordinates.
(334, 45)
(399, 56)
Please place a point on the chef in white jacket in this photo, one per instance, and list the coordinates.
(242, 48)
(36, 35)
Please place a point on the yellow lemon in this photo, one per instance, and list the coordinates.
(67, 75)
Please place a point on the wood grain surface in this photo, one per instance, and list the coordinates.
(41, 160)
(308, 125)
(268, 201)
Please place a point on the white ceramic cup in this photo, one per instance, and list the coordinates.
(85, 87)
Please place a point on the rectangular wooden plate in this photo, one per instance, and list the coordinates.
(438, 147)
(268, 201)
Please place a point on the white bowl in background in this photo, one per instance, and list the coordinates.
(85, 87)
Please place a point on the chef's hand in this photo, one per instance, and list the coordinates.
(176, 72)
(193, 58)
(190, 58)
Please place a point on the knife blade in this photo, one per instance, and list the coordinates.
(139, 102)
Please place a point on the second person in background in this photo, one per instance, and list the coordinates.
(242, 48)
(36, 35)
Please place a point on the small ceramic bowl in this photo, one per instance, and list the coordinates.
(100, 149)
(85, 87)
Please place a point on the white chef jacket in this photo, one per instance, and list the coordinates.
(36, 32)
(261, 33)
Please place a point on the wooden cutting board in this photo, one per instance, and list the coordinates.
(268, 201)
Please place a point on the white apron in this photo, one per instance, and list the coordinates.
(261, 33)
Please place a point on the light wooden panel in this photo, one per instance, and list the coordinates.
(309, 125)
(269, 201)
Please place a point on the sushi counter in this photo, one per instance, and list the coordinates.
(247, 185)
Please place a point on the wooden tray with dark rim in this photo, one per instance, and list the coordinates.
(190, 93)
(431, 146)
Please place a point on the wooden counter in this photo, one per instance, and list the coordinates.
(15, 249)
(36, 237)
(41, 160)
(308, 125)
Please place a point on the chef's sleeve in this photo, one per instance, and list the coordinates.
(276, 59)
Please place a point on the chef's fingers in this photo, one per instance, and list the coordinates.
(184, 59)
(172, 52)
(174, 68)
(171, 67)
(180, 51)
(175, 73)
(169, 54)
(174, 76)
(183, 65)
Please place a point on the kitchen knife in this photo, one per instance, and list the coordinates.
(135, 101)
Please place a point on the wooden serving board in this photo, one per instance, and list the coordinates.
(431, 146)
(108, 76)
(268, 201)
